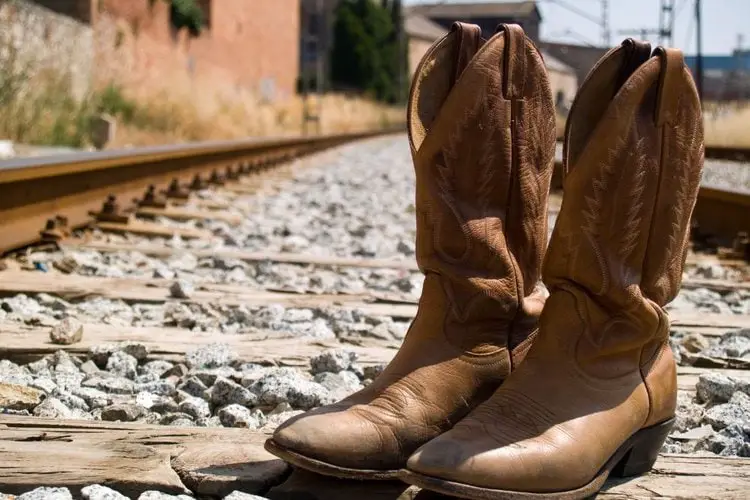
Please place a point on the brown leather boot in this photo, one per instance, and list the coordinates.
(596, 393)
(482, 133)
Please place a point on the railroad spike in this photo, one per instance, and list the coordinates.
(111, 212)
(63, 224)
(175, 191)
(111, 206)
(51, 232)
(232, 173)
(150, 199)
(197, 183)
(216, 179)
(741, 245)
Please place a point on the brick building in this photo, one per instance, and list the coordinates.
(252, 47)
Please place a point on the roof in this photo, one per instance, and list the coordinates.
(476, 9)
(417, 26)
(734, 62)
(554, 64)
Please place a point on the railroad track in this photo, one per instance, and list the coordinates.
(161, 272)
(48, 196)
(45, 194)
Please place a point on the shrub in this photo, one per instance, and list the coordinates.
(366, 49)
(187, 14)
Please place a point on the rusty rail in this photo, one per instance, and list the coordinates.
(38, 193)
(728, 153)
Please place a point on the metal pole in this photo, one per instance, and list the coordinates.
(320, 59)
(605, 23)
(699, 51)
(403, 61)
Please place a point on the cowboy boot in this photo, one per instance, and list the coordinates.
(482, 135)
(597, 391)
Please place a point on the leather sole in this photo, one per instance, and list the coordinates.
(326, 469)
(634, 457)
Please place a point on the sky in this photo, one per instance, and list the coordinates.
(723, 22)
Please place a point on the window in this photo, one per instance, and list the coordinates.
(205, 6)
(313, 22)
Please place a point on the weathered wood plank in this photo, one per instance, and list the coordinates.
(673, 476)
(184, 214)
(153, 290)
(152, 229)
(248, 256)
(680, 476)
(716, 285)
(133, 458)
(22, 343)
(217, 469)
(334, 261)
(706, 331)
(140, 290)
(699, 319)
(198, 202)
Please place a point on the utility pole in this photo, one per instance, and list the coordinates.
(665, 31)
(606, 35)
(602, 22)
(312, 49)
(699, 50)
(666, 23)
(398, 19)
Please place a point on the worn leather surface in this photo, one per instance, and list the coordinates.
(600, 368)
(482, 134)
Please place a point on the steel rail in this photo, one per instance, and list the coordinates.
(731, 153)
(36, 190)
(728, 153)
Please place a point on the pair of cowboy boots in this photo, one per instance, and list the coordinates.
(505, 388)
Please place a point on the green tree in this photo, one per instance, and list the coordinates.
(361, 57)
(399, 57)
(187, 14)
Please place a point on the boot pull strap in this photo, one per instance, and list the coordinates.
(468, 41)
(672, 64)
(514, 60)
(638, 52)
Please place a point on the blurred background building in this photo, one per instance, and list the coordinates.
(220, 58)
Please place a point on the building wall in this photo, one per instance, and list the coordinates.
(580, 58)
(417, 49)
(489, 24)
(77, 9)
(253, 48)
(316, 36)
(564, 87)
(34, 39)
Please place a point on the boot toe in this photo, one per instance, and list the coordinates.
(482, 462)
(447, 458)
(339, 438)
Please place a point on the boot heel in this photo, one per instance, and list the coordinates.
(644, 449)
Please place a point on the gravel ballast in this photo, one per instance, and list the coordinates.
(355, 201)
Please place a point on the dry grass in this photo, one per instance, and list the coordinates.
(169, 120)
(727, 124)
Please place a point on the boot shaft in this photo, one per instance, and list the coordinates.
(633, 158)
(482, 133)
